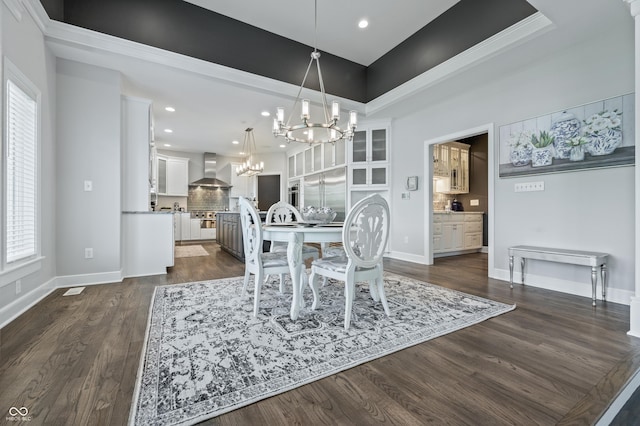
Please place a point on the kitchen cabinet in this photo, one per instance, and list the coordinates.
(172, 176)
(185, 226)
(456, 233)
(316, 159)
(240, 185)
(229, 234)
(194, 226)
(177, 227)
(451, 168)
(369, 157)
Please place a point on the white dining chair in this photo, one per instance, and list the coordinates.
(364, 238)
(257, 262)
(283, 212)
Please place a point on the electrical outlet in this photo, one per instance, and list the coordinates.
(88, 253)
(529, 186)
(88, 185)
(18, 286)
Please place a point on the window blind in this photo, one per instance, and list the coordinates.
(21, 158)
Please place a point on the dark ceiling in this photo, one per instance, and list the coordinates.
(184, 28)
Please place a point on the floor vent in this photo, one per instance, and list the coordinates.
(74, 291)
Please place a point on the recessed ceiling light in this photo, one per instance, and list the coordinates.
(235, 142)
(167, 144)
(168, 131)
(265, 113)
(170, 109)
(282, 146)
(363, 23)
(241, 152)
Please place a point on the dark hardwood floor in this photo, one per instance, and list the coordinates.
(554, 360)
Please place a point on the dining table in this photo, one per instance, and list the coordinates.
(296, 234)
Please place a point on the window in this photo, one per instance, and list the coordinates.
(20, 171)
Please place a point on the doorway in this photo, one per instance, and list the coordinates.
(481, 193)
(268, 191)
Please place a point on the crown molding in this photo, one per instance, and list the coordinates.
(634, 6)
(16, 7)
(516, 34)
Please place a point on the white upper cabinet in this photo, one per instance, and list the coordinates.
(173, 176)
(369, 157)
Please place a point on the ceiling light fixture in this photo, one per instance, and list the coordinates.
(328, 131)
(265, 113)
(170, 109)
(248, 167)
(168, 131)
(235, 142)
(363, 23)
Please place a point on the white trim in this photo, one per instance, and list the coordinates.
(16, 8)
(621, 399)
(20, 271)
(88, 279)
(407, 257)
(582, 288)
(428, 200)
(516, 34)
(634, 314)
(19, 306)
(75, 43)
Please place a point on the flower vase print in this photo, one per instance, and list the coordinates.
(521, 148)
(603, 129)
(595, 135)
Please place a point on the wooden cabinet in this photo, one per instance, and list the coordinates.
(369, 157)
(172, 176)
(456, 233)
(229, 234)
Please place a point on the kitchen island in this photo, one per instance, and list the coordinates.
(229, 233)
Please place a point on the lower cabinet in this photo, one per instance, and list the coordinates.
(456, 233)
(229, 234)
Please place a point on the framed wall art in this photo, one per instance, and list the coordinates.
(599, 134)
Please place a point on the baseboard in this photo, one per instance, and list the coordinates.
(19, 306)
(88, 279)
(614, 295)
(484, 249)
(408, 257)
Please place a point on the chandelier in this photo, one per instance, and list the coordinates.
(327, 131)
(248, 167)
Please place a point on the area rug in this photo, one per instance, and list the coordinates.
(190, 251)
(205, 354)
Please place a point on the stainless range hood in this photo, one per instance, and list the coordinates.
(210, 179)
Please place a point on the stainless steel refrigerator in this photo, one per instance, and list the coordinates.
(327, 189)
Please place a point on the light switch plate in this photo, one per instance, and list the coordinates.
(474, 202)
(529, 186)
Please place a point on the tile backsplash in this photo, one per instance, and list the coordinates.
(205, 198)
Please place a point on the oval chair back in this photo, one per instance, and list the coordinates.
(366, 231)
(283, 212)
(251, 235)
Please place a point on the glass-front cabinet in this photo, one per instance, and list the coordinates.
(451, 168)
(316, 158)
(369, 157)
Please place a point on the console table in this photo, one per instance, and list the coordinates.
(576, 257)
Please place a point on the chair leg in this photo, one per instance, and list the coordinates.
(246, 282)
(383, 298)
(313, 283)
(374, 291)
(281, 283)
(349, 293)
(256, 295)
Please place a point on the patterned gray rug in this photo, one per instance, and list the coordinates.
(205, 353)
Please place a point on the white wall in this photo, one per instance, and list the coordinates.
(23, 44)
(589, 210)
(88, 148)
